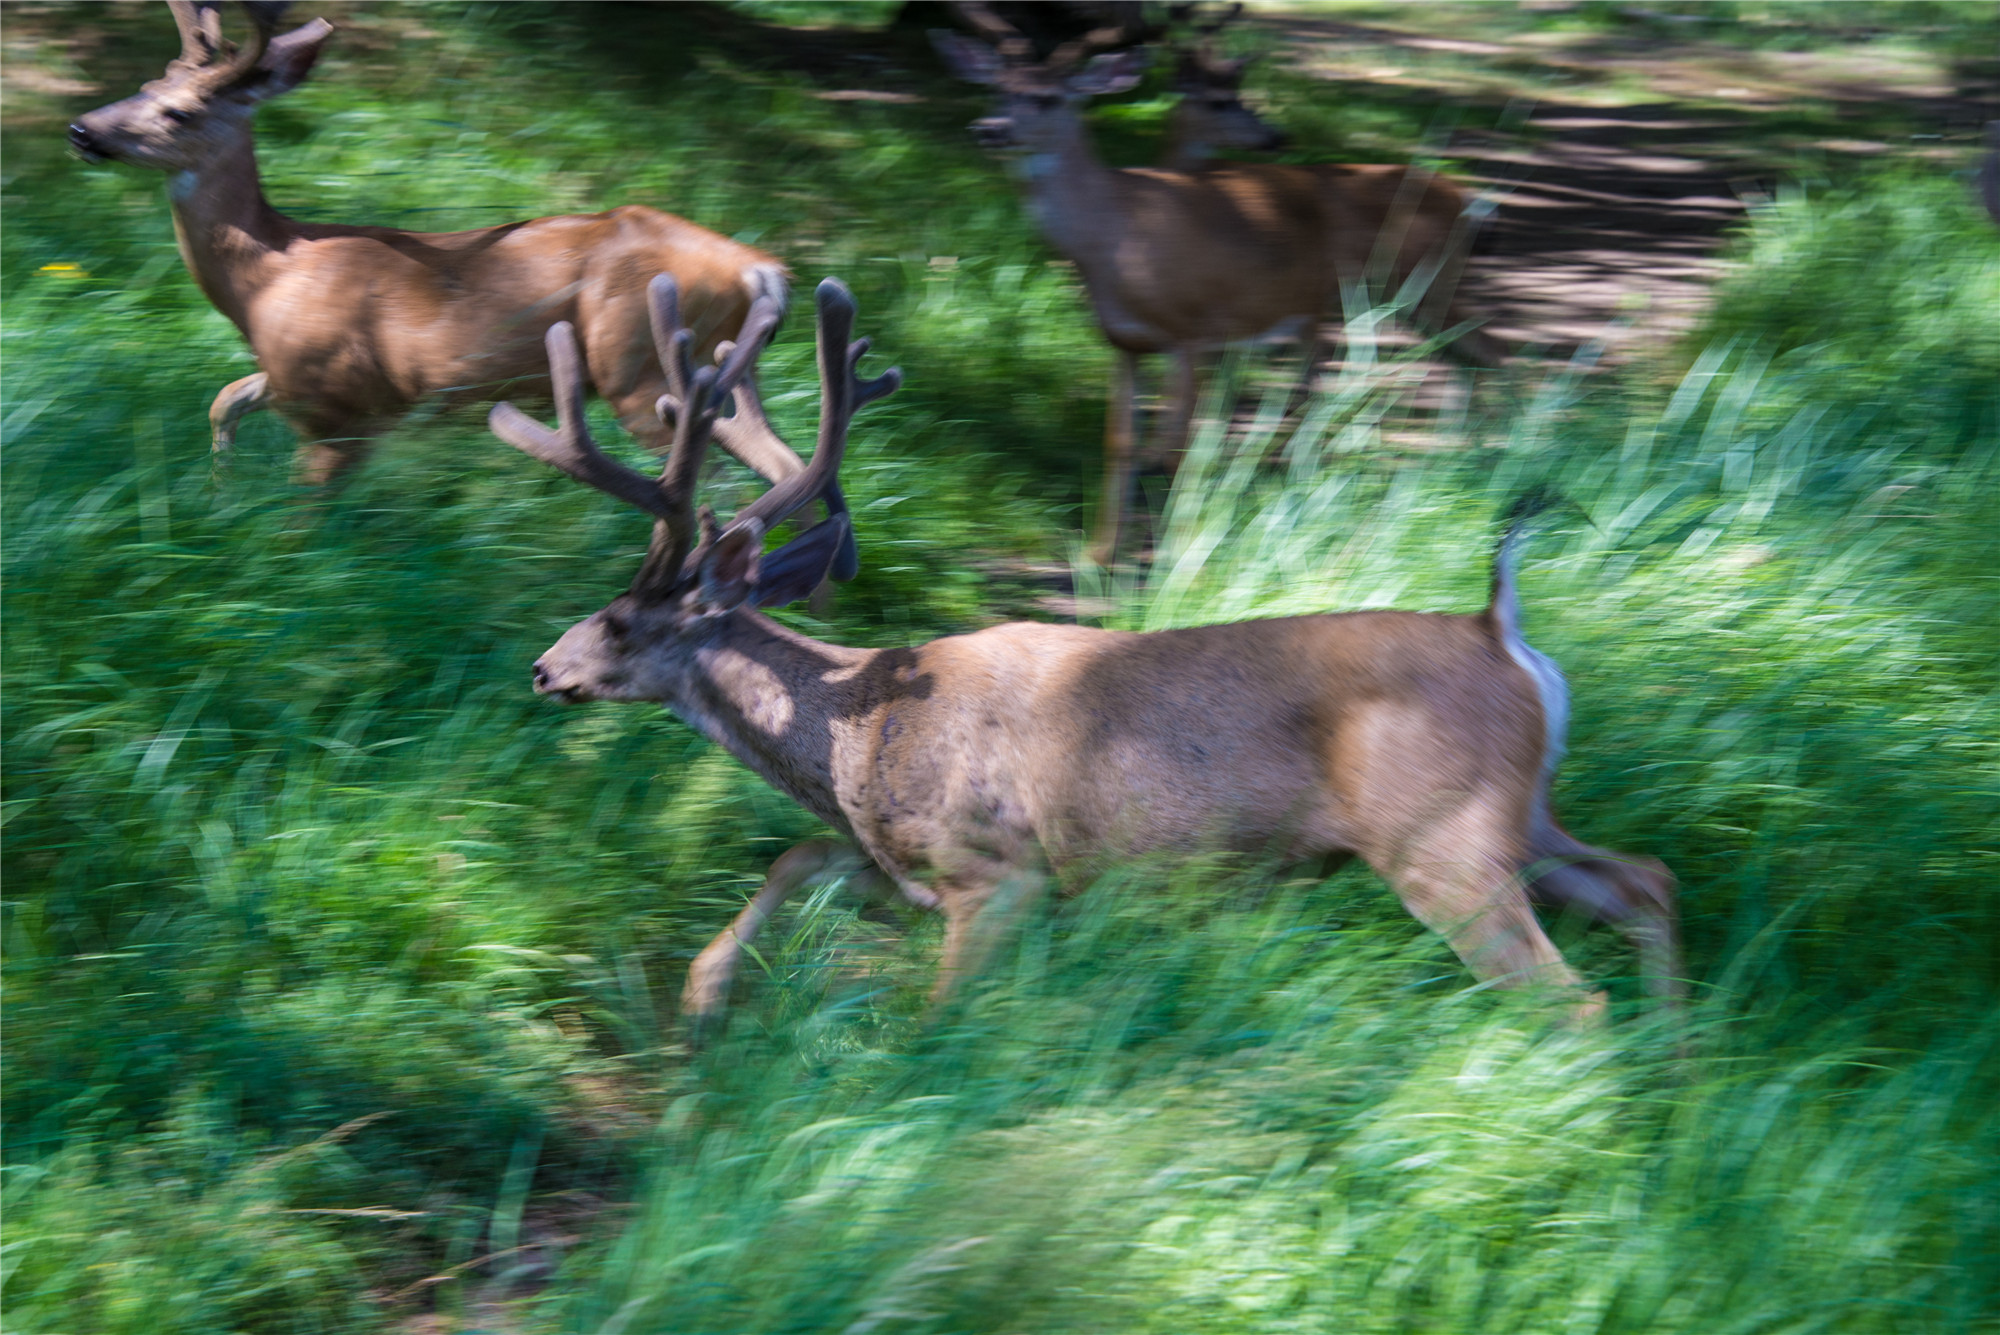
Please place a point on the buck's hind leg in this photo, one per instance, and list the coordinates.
(1634, 895)
(1458, 876)
(706, 994)
(237, 400)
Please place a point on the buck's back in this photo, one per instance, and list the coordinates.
(1237, 736)
(466, 311)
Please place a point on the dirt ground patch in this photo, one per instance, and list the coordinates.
(1628, 156)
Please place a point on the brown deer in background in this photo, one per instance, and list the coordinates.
(965, 770)
(1181, 262)
(351, 326)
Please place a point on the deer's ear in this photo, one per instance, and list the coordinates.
(972, 61)
(796, 569)
(729, 571)
(1117, 72)
(287, 60)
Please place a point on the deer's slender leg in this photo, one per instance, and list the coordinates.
(324, 463)
(1458, 878)
(1442, 306)
(1182, 392)
(238, 399)
(1633, 895)
(1308, 365)
(1117, 455)
(707, 989)
(977, 919)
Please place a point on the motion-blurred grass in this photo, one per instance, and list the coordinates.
(336, 962)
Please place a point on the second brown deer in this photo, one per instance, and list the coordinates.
(353, 325)
(1183, 261)
(966, 771)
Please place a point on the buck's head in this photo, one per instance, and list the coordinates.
(201, 107)
(1040, 102)
(1211, 113)
(697, 576)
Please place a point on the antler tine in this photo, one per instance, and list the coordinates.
(674, 536)
(570, 447)
(1129, 27)
(199, 36)
(200, 22)
(750, 437)
(842, 393)
(671, 342)
(263, 22)
(1013, 44)
(735, 360)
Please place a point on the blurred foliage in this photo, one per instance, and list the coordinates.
(337, 962)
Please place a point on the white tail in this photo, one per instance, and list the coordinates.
(965, 769)
(353, 325)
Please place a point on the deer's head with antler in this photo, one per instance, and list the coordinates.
(202, 106)
(1040, 101)
(1212, 113)
(697, 575)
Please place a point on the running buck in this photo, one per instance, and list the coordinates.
(351, 326)
(964, 771)
(1180, 262)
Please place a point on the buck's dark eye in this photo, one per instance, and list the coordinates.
(178, 115)
(615, 627)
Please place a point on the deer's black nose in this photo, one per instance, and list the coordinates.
(541, 678)
(993, 131)
(84, 142)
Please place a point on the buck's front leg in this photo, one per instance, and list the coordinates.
(977, 918)
(706, 994)
(238, 399)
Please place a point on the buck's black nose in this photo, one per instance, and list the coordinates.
(541, 678)
(993, 131)
(83, 141)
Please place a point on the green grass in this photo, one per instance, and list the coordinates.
(311, 907)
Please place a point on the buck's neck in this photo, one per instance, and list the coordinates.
(1072, 193)
(230, 237)
(770, 696)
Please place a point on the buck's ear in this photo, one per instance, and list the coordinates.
(972, 61)
(796, 569)
(1118, 72)
(730, 569)
(288, 59)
